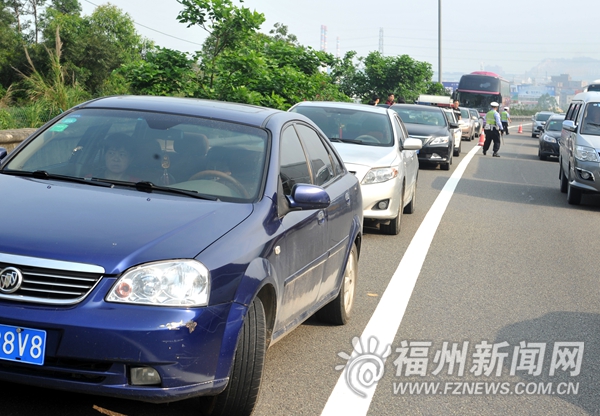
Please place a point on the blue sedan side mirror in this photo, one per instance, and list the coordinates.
(3, 153)
(305, 196)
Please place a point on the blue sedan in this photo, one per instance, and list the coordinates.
(156, 247)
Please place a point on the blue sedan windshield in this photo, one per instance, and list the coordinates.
(216, 158)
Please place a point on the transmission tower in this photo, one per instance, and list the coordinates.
(324, 38)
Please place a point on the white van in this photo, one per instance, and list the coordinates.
(579, 154)
(437, 100)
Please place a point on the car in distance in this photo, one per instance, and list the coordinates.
(157, 246)
(548, 144)
(375, 146)
(429, 124)
(466, 124)
(477, 121)
(538, 121)
(455, 129)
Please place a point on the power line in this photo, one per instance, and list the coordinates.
(154, 30)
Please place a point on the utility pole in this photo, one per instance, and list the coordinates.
(381, 41)
(440, 41)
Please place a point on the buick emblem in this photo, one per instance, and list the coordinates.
(10, 280)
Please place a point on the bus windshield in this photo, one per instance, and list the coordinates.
(478, 89)
(481, 102)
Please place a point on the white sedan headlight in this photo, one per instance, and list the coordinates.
(378, 175)
(587, 154)
(439, 140)
(164, 283)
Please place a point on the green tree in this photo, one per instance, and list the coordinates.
(227, 25)
(95, 45)
(10, 47)
(52, 92)
(66, 6)
(381, 75)
(547, 103)
(162, 72)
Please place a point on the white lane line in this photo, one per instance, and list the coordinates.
(386, 319)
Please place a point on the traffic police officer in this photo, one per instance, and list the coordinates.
(505, 117)
(493, 125)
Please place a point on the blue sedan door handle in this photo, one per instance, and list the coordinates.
(347, 198)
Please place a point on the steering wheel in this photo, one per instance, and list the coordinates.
(367, 138)
(227, 179)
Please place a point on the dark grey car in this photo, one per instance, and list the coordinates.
(429, 124)
(550, 136)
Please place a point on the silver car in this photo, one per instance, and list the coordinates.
(538, 121)
(579, 148)
(466, 124)
(455, 129)
(375, 146)
(477, 121)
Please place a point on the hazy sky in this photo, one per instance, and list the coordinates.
(476, 34)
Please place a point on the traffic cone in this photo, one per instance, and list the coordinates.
(481, 139)
(520, 128)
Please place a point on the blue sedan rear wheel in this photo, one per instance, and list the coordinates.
(337, 312)
(241, 394)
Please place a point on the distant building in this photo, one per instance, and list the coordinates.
(565, 88)
(450, 86)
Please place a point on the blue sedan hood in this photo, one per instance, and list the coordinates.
(110, 227)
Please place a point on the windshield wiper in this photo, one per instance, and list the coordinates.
(42, 174)
(146, 186)
(593, 124)
(335, 139)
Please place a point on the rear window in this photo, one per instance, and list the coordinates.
(554, 125)
(417, 116)
(351, 125)
(543, 116)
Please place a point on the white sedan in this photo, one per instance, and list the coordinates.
(375, 146)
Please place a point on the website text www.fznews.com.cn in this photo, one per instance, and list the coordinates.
(459, 388)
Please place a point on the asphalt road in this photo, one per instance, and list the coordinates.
(510, 270)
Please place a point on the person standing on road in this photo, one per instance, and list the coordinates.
(493, 125)
(505, 117)
(375, 100)
(456, 109)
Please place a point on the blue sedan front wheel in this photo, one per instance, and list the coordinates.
(241, 394)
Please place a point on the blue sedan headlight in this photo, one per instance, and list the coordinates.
(548, 139)
(165, 283)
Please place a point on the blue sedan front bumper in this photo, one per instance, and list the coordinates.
(91, 347)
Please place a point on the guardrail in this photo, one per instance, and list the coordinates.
(9, 139)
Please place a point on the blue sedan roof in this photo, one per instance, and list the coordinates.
(241, 113)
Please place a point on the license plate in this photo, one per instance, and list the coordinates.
(23, 345)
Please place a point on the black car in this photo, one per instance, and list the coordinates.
(429, 124)
(549, 137)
